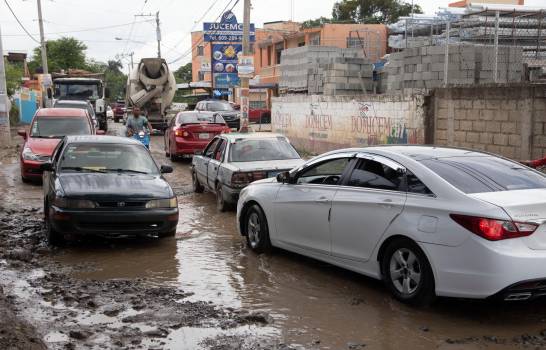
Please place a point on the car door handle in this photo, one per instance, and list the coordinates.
(322, 200)
(387, 203)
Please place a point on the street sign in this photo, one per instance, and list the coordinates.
(245, 66)
(220, 93)
(226, 80)
(227, 30)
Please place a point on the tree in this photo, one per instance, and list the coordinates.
(311, 23)
(14, 74)
(63, 53)
(372, 11)
(184, 73)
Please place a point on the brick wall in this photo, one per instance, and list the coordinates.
(505, 120)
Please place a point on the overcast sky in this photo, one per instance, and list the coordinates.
(81, 18)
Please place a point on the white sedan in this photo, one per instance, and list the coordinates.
(428, 221)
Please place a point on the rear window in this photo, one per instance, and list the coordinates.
(56, 127)
(252, 150)
(485, 174)
(200, 118)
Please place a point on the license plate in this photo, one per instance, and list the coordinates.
(204, 136)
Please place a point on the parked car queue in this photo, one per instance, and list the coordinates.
(427, 221)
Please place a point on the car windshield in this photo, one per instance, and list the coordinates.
(251, 150)
(195, 118)
(57, 127)
(485, 174)
(77, 90)
(107, 157)
(219, 107)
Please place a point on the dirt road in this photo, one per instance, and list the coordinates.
(205, 289)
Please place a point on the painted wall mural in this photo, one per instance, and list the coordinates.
(320, 123)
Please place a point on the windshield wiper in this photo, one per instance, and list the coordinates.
(127, 171)
(79, 168)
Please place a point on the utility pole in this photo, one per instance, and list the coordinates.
(157, 29)
(245, 81)
(44, 51)
(5, 136)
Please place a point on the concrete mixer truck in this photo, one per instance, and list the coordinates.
(151, 87)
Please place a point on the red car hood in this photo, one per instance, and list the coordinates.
(42, 146)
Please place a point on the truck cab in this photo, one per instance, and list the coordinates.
(84, 89)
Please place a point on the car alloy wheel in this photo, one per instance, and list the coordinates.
(253, 229)
(405, 271)
(256, 230)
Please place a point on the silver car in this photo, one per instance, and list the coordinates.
(428, 221)
(231, 161)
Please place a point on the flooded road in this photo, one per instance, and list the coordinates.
(313, 305)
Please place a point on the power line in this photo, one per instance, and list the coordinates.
(18, 21)
(203, 37)
(84, 30)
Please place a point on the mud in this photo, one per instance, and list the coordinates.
(205, 289)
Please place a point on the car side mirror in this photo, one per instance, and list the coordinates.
(283, 177)
(101, 132)
(166, 169)
(46, 166)
(22, 133)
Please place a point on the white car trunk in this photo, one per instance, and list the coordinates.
(522, 206)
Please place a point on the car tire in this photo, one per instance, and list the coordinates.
(197, 187)
(256, 230)
(167, 150)
(25, 180)
(53, 237)
(173, 157)
(116, 120)
(407, 273)
(221, 203)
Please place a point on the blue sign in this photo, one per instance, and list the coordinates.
(225, 57)
(226, 80)
(228, 30)
(220, 93)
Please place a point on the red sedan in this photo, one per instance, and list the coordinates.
(190, 132)
(47, 128)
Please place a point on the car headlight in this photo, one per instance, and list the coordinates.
(73, 203)
(162, 203)
(29, 155)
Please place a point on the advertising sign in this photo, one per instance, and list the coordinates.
(205, 67)
(224, 65)
(245, 66)
(228, 30)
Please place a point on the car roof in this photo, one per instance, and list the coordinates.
(196, 112)
(72, 102)
(61, 112)
(233, 136)
(417, 152)
(102, 139)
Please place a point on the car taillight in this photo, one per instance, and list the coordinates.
(180, 132)
(493, 229)
(226, 131)
(243, 179)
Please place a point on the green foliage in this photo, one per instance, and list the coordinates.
(183, 74)
(14, 74)
(317, 22)
(372, 11)
(63, 53)
(113, 76)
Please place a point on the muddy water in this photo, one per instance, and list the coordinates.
(313, 304)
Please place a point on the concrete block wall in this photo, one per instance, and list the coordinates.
(325, 70)
(509, 120)
(424, 67)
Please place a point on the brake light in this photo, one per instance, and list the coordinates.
(180, 132)
(492, 229)
(243, 179)
(226, 131)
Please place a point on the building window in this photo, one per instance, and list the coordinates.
(314, 39)
(354, 42)
(201, 76)
(269, 55)
(301, 43)
(251, 48)
(200, 50)
(278, 51)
